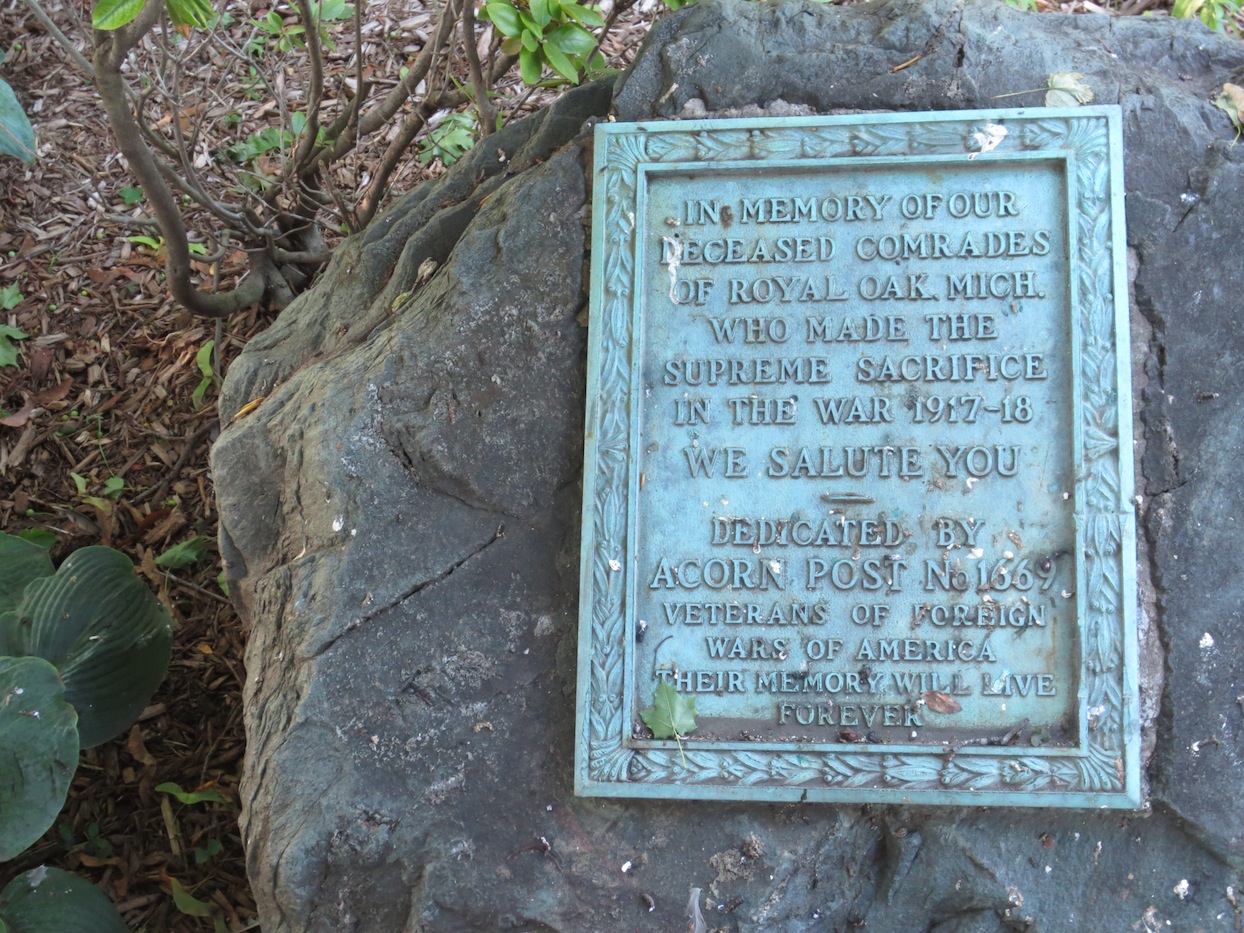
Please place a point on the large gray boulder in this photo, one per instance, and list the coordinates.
(400, 526)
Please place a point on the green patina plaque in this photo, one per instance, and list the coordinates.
(858, 462)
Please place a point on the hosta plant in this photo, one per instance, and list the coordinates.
(82, 649)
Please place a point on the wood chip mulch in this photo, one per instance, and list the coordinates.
(103, 388)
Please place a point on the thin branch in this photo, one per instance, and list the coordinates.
(483, 104)
(110, 52)
(306, 145)
(392, 102)
(370, 202)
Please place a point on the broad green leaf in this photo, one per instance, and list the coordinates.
(529, 65)
(1067, 89)
(8, 352)
(560, 62)
(671, 715)
(113, 14)
(208, 795)
(17, 136)
(49, 900)
(540, 13)
(574, 40)
(584, 15)
(38, 752)
(183, 554)
(504, 17)
(40, 536)
(20, 562)
(79, 482)
(103, 630)
(531, 42)
(189, 12)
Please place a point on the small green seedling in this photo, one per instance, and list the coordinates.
(10, 297)
(203, 359)
(8, 352)
(183, 555)
(188, 797)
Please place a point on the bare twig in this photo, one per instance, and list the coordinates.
(483, 105)
(306, 145)
(370, 202)
(392, 102)
(110, 51)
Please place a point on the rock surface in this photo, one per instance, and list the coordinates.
(400, 525)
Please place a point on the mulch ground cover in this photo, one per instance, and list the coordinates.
(103, 440)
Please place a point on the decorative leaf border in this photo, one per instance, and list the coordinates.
(1105, 771)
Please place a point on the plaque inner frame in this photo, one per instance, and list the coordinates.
(1098, 766)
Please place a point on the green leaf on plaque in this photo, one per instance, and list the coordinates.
(671, 715)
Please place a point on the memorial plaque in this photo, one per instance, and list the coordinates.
(858, 509)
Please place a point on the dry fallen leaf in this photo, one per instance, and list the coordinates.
(249, 407)
(19, 417)
(940, 702)
(1231, 102)
(1067, 89)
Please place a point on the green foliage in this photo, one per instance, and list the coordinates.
(131, 196)
(187, 13)
(547, 33)
(671, 716)
(203, 359)
(183, 555)
(1216, 14)
(104, 631)
(187, 903)
(274, 31)
(449, 140)
(22, 561)
(113, 14)
(48, 900)
(8, 352)
(188, 797)
(272, 138)
(1028, 6)
(39, 536)
(11, 296)
(95, 844)
(38, 751)
(82, 649)
(208, 851)
(17, 136)
(111, 490)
